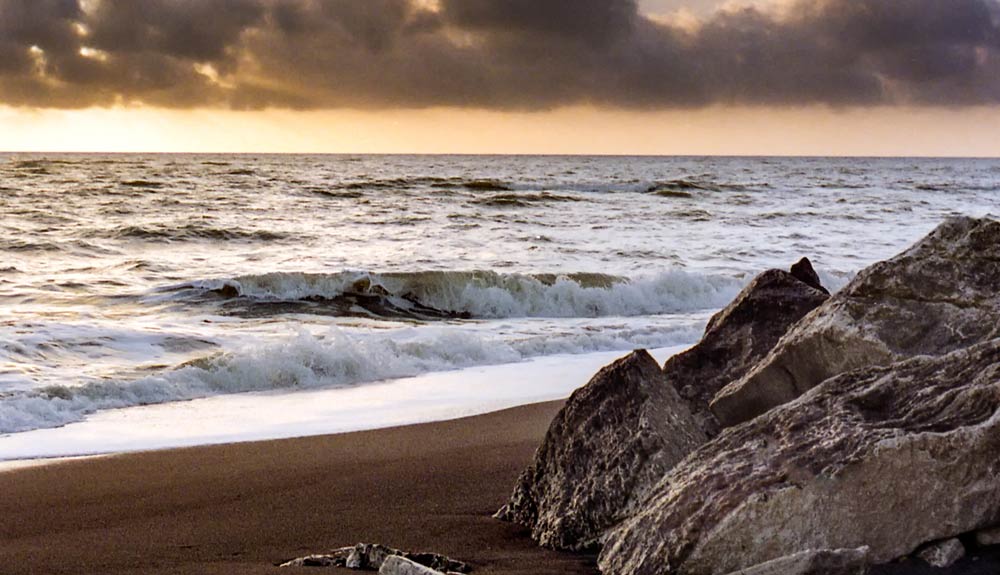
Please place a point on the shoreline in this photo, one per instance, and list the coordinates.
(264, 416)
(242, 507)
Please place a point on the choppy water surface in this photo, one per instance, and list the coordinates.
(131, 280)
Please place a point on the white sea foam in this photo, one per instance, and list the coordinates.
(487, 294)
(307, 361)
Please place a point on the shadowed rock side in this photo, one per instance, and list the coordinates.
(824, 562)
(611, 442)
(740, 335)
(804, 271)
(938, 296)
(884, 457)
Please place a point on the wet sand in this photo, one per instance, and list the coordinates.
(241, 508)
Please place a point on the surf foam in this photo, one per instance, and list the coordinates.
(335, 358)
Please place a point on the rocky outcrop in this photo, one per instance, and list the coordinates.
(372, 557)
(618, 435)
(607, 447)
(884, 457)
(941, 295)
(740, 335)
(824, 562)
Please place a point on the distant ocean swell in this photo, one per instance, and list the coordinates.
(477, 294)
(305, 361)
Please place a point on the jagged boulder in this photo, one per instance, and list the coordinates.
(740, 335)
(803, 270)
(884, 457)
(940, 295)
(611, 442)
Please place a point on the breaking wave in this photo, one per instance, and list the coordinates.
(475, 294)
(305, 361)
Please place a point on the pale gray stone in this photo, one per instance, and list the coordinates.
(942, 554)
(940, 295)
(885, 457)
(396, 565)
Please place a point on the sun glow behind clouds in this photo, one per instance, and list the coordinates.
(754, 131)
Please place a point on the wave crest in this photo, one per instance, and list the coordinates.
(480, 294)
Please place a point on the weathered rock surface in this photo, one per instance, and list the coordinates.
(371, 557)
(740, 335)
(608, 446)
(940, 295)
(823, 562)
(884, 457)
(942, 554)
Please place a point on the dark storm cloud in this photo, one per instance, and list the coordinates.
(500, 54)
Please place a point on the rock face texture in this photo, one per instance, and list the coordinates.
(940, 295)
(885, 457)
(740, 335)
(608, 446)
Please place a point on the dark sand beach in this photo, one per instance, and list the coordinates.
(241, 508)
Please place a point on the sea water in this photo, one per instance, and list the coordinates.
(163, 300)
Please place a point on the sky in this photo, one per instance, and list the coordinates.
(758, 77)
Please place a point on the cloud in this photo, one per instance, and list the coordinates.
(495, 54)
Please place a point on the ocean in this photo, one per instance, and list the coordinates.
(152, 301)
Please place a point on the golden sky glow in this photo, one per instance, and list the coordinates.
(781, 77)
(740, 131)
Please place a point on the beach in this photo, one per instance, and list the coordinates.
(241, 508)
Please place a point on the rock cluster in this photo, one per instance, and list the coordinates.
(385, 560)
(620, 433)
(806, 433)
(883, 457)
(744, 332)
(940, 295)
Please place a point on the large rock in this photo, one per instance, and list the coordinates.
(742, 334)
(884, 457)
(940, 295)
(607, 447)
